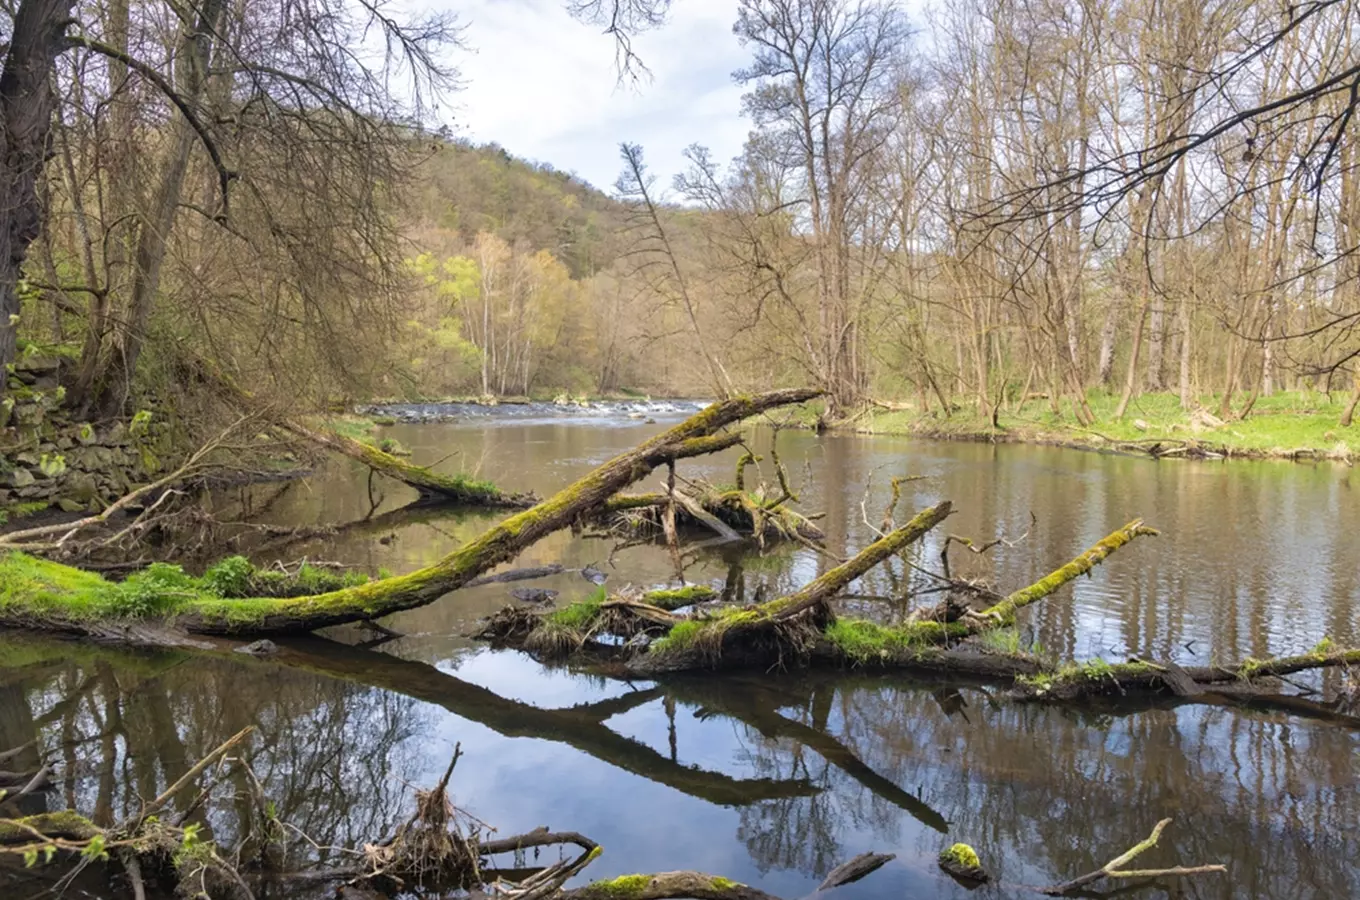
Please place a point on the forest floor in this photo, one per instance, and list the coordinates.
(1287, 425)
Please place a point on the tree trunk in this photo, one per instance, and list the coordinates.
(1108, 332)
(1187, 398)
(1131, 380)
(1348, 415)
(430, 484)
(191, 79)
(26, 108)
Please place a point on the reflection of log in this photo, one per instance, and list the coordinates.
(753, 705)
(666, 886)
(698, 886)
(581, 727)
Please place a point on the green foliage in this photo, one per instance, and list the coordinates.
(140, 423)
(579, 616)
(235, 578)
(230, 578)
(675, 598)
(52, 465)
(94, 850)
(623, 887)
(682, 635)
(33, 586)
(868, 641)
(155, 591)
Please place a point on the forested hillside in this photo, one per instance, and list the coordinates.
(1071, 203)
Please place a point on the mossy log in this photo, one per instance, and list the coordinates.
(430, 484)
(55, 597)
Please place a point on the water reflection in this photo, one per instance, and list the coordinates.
(771, 779)
(1256, 559)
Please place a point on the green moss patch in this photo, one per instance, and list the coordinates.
(675, 598)
(39, 588)
(623, 887)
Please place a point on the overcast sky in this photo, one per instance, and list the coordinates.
(544, 87)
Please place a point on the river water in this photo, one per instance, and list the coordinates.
(773, 778)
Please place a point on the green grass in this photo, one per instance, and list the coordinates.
(868, 641)
(1277, 426)
(38, 588)
(358, 428)
(579, 616)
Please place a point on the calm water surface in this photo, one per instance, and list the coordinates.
(772, 779)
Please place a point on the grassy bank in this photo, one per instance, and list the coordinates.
(1287, 425)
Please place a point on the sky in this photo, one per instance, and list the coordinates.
(545, 87)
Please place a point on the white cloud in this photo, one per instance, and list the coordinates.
(544, 87)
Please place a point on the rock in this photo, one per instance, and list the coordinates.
(1140, 424)
(69, 505)
(28, 414)
(594, 575)
(264, 647)
(28, 458)
(116, 434)
(21, 478)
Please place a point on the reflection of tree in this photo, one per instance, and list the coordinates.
(1044, 793)
(581, 727)
(331, 756)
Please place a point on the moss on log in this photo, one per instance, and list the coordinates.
(431, 484)
(51, 596)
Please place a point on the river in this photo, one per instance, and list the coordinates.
(773, 778)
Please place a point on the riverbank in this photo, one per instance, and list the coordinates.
(1289, 426)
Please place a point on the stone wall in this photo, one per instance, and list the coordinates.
(48, 459)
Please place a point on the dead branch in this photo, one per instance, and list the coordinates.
(1115, 867)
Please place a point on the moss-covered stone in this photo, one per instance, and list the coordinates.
(961, 861)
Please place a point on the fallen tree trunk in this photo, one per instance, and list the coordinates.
(430, 484)
(46, 596)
